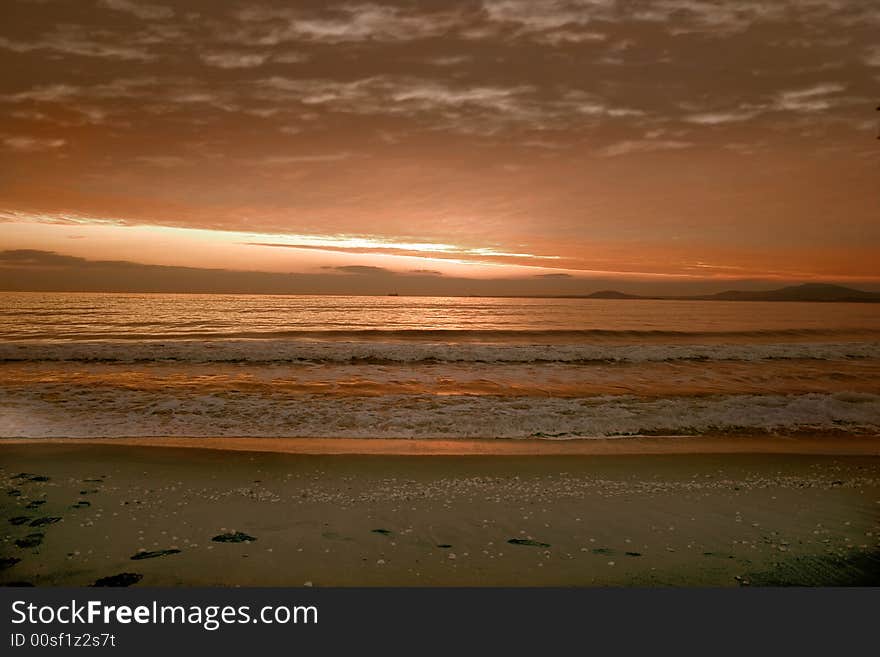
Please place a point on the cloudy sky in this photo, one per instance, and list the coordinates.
(542, 146)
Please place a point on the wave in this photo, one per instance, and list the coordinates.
(111, 412)
(219, 331)
(286, 351)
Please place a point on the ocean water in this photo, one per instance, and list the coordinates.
(109, 365)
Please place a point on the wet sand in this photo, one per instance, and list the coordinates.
(841, 444)
(719, 511)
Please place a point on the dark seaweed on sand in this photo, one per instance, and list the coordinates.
(26, 476)
(527, 541)
(46, 520)
(233, 537)
(31, 540)
(154, 554)
(122, 579)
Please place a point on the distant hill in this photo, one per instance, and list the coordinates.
(807, 292)
(612, 294)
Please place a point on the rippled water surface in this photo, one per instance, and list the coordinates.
(200, 365)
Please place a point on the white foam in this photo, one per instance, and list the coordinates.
(112, 412)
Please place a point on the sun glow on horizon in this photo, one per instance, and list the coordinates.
(115, 239)
(105, 238)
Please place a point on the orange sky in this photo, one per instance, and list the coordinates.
(563, 144)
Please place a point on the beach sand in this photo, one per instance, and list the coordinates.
(692, 511)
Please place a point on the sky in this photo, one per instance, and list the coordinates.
(492, 146)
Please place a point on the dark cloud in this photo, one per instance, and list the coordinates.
(361, 269)
(35, 258)
(34, 270)
(553, 276)
(426, 272)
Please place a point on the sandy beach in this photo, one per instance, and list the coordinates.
(658, 511)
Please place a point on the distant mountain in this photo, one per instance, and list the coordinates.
(807, 292)
(612, 294)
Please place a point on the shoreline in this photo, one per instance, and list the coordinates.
(818, 444)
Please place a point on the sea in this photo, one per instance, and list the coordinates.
(127, 365)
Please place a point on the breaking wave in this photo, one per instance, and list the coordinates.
(288, 351)
(112, 412)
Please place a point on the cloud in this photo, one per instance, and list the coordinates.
(470, 109)
(684, 16)
(426, 272)
(546, 144)
(541, 15)
(280, 160)
(162, 161)
(483, 109)
(67, 218)
(395, 95)
(642, 146)
(290, 58)
(553, 276)
(138, 9)
(362, 22)
(375, 246)
(450, 60)
(37, 258)
(361, 269)
(578, 101)
(809, 99)
(568, 37)
(872, 56)
(32, 144)
(816, 98)
(719, 118)
(551, 22)
(467, 109)
(50, 93)
(327, 244)
(565, 22)
(231, 59)
(77, 40)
